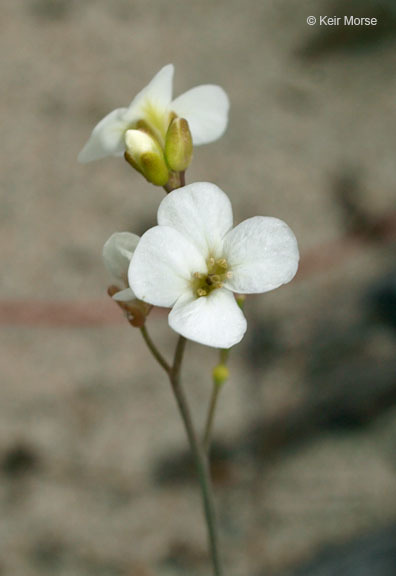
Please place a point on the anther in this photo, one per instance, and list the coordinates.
(198, 275)
(229, 274)
(201, 292)
(211, 262)
(222, 262)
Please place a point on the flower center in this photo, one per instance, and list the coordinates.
(157, 119)
(203, 284)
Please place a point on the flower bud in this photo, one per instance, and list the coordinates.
(220, 374)
(178, 145)
(144, 153)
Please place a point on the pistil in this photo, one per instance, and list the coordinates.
(203, 284)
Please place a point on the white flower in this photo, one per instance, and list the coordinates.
(194, 261)
(204, 107)
(117, 254)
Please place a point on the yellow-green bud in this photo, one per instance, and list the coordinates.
(178, 145)
(145, 154)
(220, 374)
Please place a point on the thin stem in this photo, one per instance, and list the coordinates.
(178, 357)
(154, 350)
(217, 386)
(176, 180)
(199, 456)
(210, 418)
(224, 353)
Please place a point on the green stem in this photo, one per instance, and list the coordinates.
(213, 404)
(154, 350)
(198, 453)
(176, 180)
(199, 456)
(224, 353)
(210, 418)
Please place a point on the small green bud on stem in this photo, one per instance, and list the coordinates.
(178, 145)
(220, 374)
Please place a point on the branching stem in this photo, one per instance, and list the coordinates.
(197, 450)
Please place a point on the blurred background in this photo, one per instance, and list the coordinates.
(95, 477)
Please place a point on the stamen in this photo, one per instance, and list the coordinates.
(203, 283)
(222, 262)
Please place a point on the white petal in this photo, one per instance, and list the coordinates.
(206, 110)
(107, 138)
(201, 212)
(215, 320)
(124, 295)
(158, 92)
(162, 266)
(262, 254)
(117, 254)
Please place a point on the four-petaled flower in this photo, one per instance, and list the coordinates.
(204, 107)
(194, 261)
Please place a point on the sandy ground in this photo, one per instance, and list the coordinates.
(86, 419)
